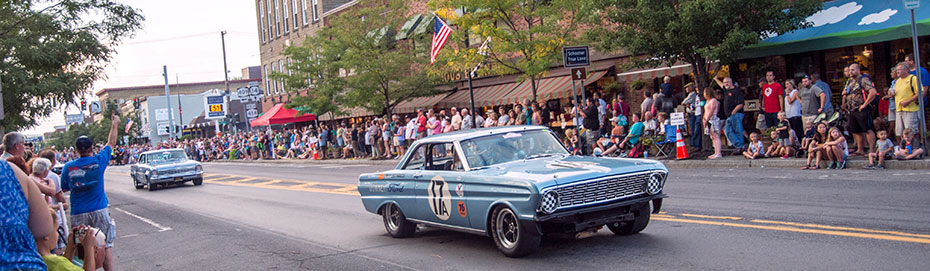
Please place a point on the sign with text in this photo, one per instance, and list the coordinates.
(678, 118)
(74, 119)
(162, 128)
(911, 4)
(215, 107)
(250, 97)
(579, 74)
(576, 56)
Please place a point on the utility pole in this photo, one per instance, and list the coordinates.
(177, 85)
(2, 130)
(912, 5)
(168, 103)
(225, 75)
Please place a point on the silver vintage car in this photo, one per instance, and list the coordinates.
(514, 184)
(166, 166)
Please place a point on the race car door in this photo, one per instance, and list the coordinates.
(440, 187)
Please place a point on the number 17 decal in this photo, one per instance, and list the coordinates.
(439, 197)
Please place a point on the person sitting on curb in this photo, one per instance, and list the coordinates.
(774, 149)
(910, 146)
(837, 149)
(816, 147)
(756, 149)
(883, 150)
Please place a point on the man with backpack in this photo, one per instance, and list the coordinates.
(858, 96)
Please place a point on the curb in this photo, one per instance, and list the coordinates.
(796, 163)
(728, 162)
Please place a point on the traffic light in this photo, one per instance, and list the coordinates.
(135, 103)
(83, 105)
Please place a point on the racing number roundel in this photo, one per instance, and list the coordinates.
(440, 200)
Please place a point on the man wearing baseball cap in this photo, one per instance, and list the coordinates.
(84, 178)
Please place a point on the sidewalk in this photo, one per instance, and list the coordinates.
(725, 162)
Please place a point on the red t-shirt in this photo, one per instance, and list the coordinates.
(770, 93)
(422, 122)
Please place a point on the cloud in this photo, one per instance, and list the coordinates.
(876, 18)
(834, 14)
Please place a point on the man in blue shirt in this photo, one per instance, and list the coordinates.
(84, 178)
(924, 75)
(827, 105)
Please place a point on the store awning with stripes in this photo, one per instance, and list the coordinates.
(484, 96)
(425, 102)
(550, 88)
(648, 74)
(348, 113)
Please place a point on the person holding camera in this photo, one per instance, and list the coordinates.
(84, 178)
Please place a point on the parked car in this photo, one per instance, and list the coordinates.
(58, 168)
(514, 184)
(161, 167)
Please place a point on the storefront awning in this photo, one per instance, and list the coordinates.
(280, 115)
(550, 88)
(426, 102)
(348, 113)
(647, 74)
(844, 23)
(484, 96)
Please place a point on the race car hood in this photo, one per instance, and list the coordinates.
(567, 169)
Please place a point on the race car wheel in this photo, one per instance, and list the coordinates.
(198, 181)
(635, 226)
(509, 237)
(136, 183)
(152, 186)
(396, 223)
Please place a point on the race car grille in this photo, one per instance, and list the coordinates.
(601, 190)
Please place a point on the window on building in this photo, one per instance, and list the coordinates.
(269, 22)
(274, 82)
(303, 10)
(295, 6)
(286, 15)
(261, 19)
(277, 18)
(281, 68)
(316, 13)
(267, 81)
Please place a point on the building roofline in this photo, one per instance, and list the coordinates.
(98, 93)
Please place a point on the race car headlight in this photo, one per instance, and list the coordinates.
(549, 202)
(198, 168)
(655, 183)
(153, 173)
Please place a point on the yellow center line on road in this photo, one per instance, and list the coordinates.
(712, 217)
(268, 182)
(828, 227)
(802, 230)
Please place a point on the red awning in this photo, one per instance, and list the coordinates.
(280, 115)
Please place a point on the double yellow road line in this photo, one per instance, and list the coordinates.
(772, 225)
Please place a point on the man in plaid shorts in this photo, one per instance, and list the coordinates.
(84, 178)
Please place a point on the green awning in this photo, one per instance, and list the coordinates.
(845, 23)
(407, 29)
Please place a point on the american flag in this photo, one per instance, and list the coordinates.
(128, 124)
(441, 33)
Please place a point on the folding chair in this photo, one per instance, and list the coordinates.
(667, 147)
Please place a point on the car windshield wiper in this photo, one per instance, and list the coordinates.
(538, 156)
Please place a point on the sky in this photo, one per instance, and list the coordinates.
(185, 36)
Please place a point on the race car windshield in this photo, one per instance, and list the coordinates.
(502, 148)
(166, 156)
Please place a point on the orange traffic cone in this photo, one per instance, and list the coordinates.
(680, 145)
(316, 155)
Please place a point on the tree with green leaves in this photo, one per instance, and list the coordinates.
(526, 36)
(51, 52)
(693, 31)
(356, 61)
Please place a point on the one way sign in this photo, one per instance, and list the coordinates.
(579, 74)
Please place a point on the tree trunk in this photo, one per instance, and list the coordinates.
(699, 67)
(533, 83)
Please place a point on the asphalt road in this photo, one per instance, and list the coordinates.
(308, 216)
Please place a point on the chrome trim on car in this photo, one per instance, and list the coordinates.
(598, 190)
(449, 227)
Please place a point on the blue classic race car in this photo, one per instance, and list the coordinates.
(514, 184)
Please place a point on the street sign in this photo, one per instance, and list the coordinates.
(678, 118)
(95, 107)
(576, 56)
(163, 128)
(579, 74)
(74, 119)
(215, 107)
(911, 4)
